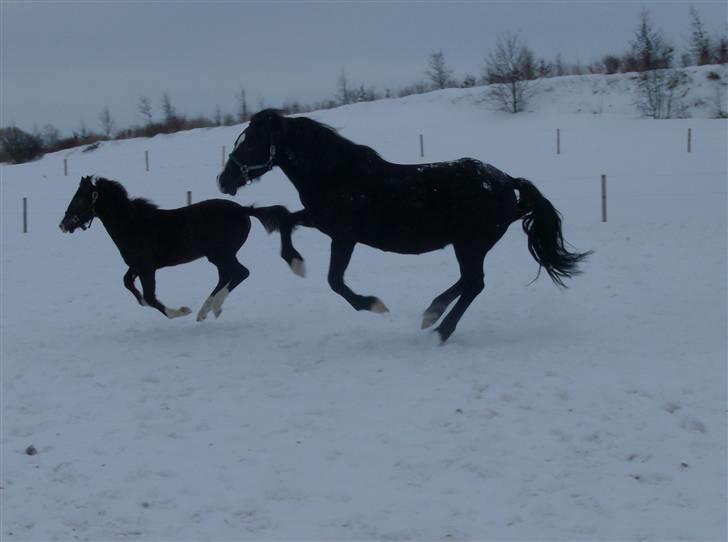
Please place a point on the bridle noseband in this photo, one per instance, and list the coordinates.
(245, 170)
(86, 225)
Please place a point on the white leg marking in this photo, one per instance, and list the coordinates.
(206, 307)
(429, 318)
(379, 307)
(218, 300)
(176, 313)
(298, 267)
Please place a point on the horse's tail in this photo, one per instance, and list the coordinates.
(542, 224)
(273, 218)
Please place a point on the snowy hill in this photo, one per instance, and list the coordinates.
(595, 413)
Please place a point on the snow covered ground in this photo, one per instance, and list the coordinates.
(595, 413)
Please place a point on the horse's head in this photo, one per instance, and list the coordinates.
(82, 209)
(254, 152)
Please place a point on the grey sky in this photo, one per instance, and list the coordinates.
(64, 61)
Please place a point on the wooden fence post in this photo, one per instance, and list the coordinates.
(65, 167)
(422, 146)
(25, 215)
(189, 197)
(690, 139)
(222, 161)
(558, 140)
(604, 198)
(146, 160)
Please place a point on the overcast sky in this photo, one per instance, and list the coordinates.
(64, 61)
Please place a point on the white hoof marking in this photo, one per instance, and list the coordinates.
(176, 313)
(429, 318)
(217, 301)
(298, 267)
(206, 306)
(379, 307)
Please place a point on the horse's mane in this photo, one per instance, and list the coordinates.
(118, 193)
(322, 135)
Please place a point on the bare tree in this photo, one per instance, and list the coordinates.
(144, 110)
(50, 136)
(169, 111)
(699, 39)
(649, 47)
(217, 118)
(438, 72)
(510, 71)
(243, 114)
(107, 123)
(344, 94)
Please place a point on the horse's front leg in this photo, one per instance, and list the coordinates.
(341, 252)
(148, 287)
(129, 277)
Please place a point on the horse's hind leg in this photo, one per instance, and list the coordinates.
(470, 257)
(231, 273)
(207, 305)
(341, 252)
(148, 287)
(129, 277)
(440, 304)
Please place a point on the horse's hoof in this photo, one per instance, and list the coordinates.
(184, 311)
(378, 307)
(217, 312)
(429, 318)
(444, 334)
(201, 316)
(298, 267)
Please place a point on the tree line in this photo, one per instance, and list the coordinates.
(511, 71)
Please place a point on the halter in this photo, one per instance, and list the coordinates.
(245, 170)
(86, 225)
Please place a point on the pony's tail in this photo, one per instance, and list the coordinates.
(278, 218)
(542, 224)
(273, 218)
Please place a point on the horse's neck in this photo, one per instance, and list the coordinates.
(116, 218)
(311, 177)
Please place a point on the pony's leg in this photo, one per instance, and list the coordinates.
(207, 305)
(148, 287)
(129, 277)
(237, 273)
(441, 303)
(341, 252)
(470, 257)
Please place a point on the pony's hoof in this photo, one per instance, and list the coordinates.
(378, 307)
(176, 313)
(429, 318)
(298, 267)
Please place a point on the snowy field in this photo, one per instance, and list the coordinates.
(594, 413)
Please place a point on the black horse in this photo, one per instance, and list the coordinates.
(149, 238)
(354, 196)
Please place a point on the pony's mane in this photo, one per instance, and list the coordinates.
(117, 191)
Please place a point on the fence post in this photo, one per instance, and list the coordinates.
(422, 146)
(604, 198)
(25, 215)
(558, 140)
(189, 197)
(222, 156)
(65, 167)
(690, 139)
(146, 160)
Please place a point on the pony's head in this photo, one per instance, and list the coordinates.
(254, 152)
(82, 209)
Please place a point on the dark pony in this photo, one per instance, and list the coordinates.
(355, 196)
(149, 238)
